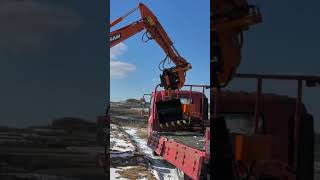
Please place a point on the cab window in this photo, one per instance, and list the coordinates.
(243, 123)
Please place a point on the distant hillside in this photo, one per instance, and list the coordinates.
(133, 101)
(71, 124)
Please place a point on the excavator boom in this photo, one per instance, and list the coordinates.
(229, 19)
(126, 32)
(171, 78)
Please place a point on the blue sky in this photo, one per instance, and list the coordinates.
(286, 42)
(134, 64)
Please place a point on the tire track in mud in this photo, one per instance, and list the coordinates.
(137, 163)
(138, 150)
(160, 168)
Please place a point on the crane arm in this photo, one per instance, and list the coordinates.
(158, 33)
(126, 32)
(230, 18)
(171, 78)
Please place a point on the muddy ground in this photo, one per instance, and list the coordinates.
(65, 150)
(129, 126)
(127, 162)
(317, 157)
(133, 115)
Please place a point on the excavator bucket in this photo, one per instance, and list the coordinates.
(169, 111)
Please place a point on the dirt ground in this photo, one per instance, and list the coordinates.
(142, 133)
(141, 124)
(128, 165)
(70, 148)
(132, 118)
(137, 172)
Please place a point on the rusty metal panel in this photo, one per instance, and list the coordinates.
(156, 143)
(252, 147)
(187, 159)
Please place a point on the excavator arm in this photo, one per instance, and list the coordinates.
(124, 33)
(229, 19)
(171, 78)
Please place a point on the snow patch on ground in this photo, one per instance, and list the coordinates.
(141, 109)
(114, 175)
(142, 143)
(119, 145)
(124, 117)
(161, 169)
(114, 154)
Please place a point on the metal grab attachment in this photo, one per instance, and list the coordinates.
(169, 79)
(174, 78)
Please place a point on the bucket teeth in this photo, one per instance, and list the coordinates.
(175, 123)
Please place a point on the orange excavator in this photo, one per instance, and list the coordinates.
(172, 78)
(254, 135)
(229, 19)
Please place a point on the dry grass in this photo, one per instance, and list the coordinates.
(137, 159)
(137, 172)
(142, 133)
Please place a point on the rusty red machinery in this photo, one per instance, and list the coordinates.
(169, 117)
(179, 130)
(229, 19)
(255, 135)
(272, 141)
(271, 135)
(172, 78)
(279, 144)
